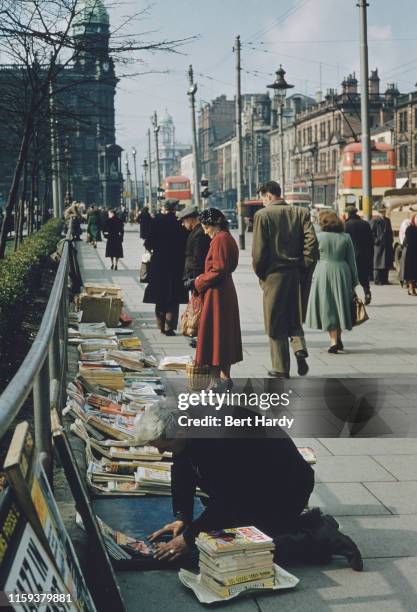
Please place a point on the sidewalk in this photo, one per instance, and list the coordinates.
(370, 485)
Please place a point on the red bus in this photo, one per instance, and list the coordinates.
(178, 188)
(384, 169)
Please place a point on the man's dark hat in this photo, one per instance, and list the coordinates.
(188, 211)
(351, 209)
(170, 205)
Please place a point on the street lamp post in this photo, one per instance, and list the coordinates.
(68, 197)
(128, 192)
(366, 135)
(280, 87)
(145, 174)
(156, 128)
(135, 170)
(192, 90)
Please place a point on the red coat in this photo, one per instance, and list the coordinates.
(219, 341)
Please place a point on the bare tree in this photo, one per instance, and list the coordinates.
(36, 38)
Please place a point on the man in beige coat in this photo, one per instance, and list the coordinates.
(284, 253)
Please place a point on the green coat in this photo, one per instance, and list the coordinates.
(94, 225)
(335, 277)
(284, 250)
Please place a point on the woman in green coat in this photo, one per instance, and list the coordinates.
(94, 226)
(335, 278)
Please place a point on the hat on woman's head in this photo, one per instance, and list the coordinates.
(211, 216)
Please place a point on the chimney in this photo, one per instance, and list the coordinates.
(374, 83)
(319, 96)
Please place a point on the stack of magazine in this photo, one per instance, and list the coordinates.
(236, 560)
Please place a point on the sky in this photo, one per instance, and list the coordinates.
(316, 41)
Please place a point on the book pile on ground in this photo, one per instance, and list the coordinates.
(100, 303)
(308, 454)
(129, 344)
(236, 560)
(121, 546)
(131, 360)
(154, 481)
(105, 374)
(97, 344)
(174, 363)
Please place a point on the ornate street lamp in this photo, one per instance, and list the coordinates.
(280, 87)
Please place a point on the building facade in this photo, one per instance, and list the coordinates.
(315, 137)
(405, 129)
(170, 151)
(216, 124)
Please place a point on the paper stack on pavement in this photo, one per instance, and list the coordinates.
(236, 560)
(174, 363)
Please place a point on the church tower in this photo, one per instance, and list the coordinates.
(96, 166)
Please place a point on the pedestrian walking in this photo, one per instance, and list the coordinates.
(145, 221)
(166, 241)
(334, 281)
(284, 249)
(363, 242)
(94, 226)
(401, 239)
(383, 243)
(114, 231)
(219, 341)
(409, 257)
(196, 249)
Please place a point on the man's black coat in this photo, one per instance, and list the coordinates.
(249, 481)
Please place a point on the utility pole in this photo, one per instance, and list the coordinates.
(54, 165)
(150, 170)
(135, 170)
(158, 169)
(366, 136)
(192, 90)
(239, 177)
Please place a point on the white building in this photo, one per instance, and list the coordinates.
(187, 168)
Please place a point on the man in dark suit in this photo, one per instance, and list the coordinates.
(363, 241)
(196, 249)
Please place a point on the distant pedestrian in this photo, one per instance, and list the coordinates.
(196, 249)
(114, 231)
(363, 242)
(383, 242)
(166, 241)
(94, 226)
(409, 257)
(145, 221)
(284, 250)
(219, 342)
(401, 239)
(334, 280)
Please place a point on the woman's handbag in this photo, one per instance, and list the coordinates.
(144, 273)
(190, 319)
(199, 377)
(359, 314)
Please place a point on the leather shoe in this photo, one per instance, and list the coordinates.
(301, 363)
(170, 332)
(193, 342)
(276, 374)
(368, 298)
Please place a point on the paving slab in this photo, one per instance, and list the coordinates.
(350, 469)
(399, 497)
(399, 466)
(346, 499)
(370, 446)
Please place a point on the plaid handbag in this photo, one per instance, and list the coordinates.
(190, 318)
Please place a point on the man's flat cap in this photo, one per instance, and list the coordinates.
(188, 211)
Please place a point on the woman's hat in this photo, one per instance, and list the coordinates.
(211, 216)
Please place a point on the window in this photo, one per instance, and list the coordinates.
(403, 161)
(329, 129)
(322, 163)
(334, 159)
(415, 154)
(309, 135)
(403, 121)
(315, 133)
(415, 118)
(322, 131)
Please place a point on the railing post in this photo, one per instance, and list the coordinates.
(42, 414)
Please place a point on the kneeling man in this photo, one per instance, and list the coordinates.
(248, 481)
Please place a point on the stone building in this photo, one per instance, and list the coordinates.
(170, 151)
(405, 129)
(216, 124)
(84, 117)
(315, 137)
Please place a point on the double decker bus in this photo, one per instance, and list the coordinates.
(178, 188)
(383, 168)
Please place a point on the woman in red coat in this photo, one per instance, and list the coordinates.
(219, 342)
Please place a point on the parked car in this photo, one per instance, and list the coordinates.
(231, 216)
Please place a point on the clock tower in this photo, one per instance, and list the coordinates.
(95, 165)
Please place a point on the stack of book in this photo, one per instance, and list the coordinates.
(174, 363)
(236, 560)
(130, 360)
(154, 481)
(106, 374)
(129, 344)
(97, 344)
